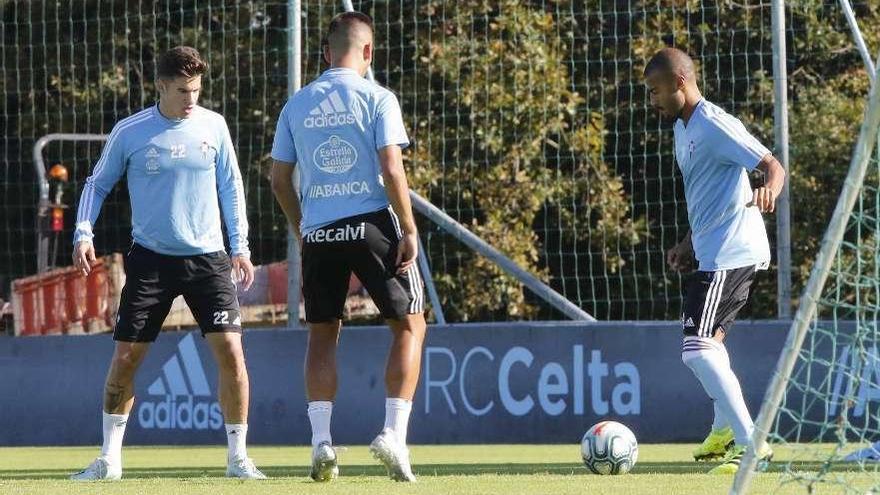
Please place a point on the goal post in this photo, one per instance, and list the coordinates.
(813, 293)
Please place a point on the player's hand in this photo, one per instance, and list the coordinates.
(84, 257)
(764, 198)
(681, 257)
(407, 251)
(242, 271)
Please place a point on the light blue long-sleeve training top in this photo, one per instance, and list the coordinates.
(176, 172)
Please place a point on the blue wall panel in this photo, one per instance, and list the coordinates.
(493, 383)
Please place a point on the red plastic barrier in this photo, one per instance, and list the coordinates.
(27, 308)
(63, 301)
(278, 283)
(53, 302)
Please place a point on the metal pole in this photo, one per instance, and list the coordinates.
(43, 184)
(871, 75)
(813, 292)
(473, 241)
(780, 134)
(857, 36)
(429, 284)
(294, 82)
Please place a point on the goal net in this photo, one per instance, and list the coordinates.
(822, 410)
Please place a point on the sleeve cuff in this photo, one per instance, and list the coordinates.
(244, 252)
(753, 164)
(403, 144)
(286, 159)
(83, 233)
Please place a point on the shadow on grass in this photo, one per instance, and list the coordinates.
(198, 472)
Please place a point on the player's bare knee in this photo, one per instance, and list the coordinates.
(410, 326)
(230, 359)
(124, 365)
(324, 335)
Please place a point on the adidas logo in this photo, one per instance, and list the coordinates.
(187, 403)
(331, 112)
(689, 323)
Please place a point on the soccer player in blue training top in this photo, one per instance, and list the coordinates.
(714, 152)
(178, 160)
(352, 213)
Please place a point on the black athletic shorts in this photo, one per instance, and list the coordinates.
(366, 245)
(153, 280)
(712, 300)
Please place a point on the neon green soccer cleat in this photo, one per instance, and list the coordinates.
(715, 446)
(731, 461)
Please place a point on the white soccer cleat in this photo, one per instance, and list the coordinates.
(244, 469)
(99, 469)
(324, 464)
(395, 456)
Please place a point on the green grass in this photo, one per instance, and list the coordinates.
(460, 469)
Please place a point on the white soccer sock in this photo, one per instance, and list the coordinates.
(720, 420)
(114, 429)
(397, 416)
(319, 416)
(712, 369)
(236, 438)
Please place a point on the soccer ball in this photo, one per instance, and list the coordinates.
(609, 448)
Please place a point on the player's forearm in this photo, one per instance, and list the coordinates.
(398, 195)
(87, 213)
(238, 238)
(282, 189)
(687, 238)
(397, 187)
(106, 173)
(290, 206)
(774, 175)
(232, 203)
(237, 230)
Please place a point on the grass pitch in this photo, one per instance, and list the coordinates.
(442, 469)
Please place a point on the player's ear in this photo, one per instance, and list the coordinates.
(327, 54)
(680, 81)
(368, 52)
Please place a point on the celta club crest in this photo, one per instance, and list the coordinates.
(205, 149)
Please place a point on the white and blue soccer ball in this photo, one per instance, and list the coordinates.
(609, 448)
